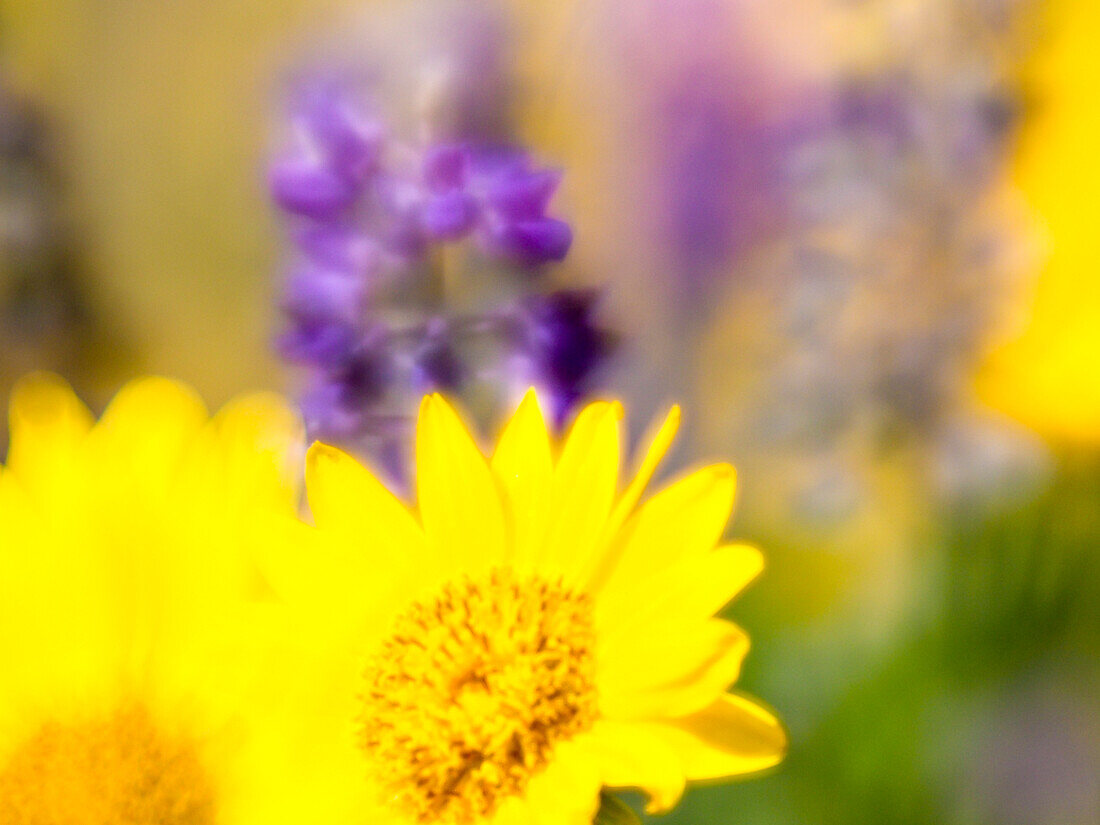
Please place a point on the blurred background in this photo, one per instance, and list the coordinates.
(856, 239)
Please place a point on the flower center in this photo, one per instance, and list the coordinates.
(465, 701)
(115, 770)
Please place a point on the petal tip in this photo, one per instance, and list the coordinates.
(426, 404)
(319, 451)
(724, 472)
(45, 398)
(38, 390)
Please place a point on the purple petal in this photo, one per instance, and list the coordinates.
(531, 242)
(348, 138)
(325, 413)
(319, 295)
(492, 161)
(304, 187)
(319, 344)
(523, 195)
(449, 216)
(339, 247)
(445, 166)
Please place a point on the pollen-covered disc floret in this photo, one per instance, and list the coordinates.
(119, 769)
(466, 699)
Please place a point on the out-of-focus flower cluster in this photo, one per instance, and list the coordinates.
(379, 226)
(836, 245)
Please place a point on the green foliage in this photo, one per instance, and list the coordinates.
(1024, 583)
(613, 811)
(904, 736)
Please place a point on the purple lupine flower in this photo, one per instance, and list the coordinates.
(563, 345)
(369, 215)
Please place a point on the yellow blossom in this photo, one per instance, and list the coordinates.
(1044, 372)
(132, 659)
(524, 637)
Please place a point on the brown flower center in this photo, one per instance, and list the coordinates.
(466, 699)
(119, 770)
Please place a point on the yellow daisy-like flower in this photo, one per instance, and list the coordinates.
(131, 659)
(526, 637)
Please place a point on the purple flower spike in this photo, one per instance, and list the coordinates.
(531, 242)
(304, 187)
(320, 295)
(449, 216)
(368, 210)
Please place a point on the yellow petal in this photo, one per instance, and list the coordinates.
(523, 467)
(56, 608)
(584, 486)
(687, 518)
(146, 432)
(255, 445)
(730, 737)
(48, 424)
(675, 671)
(460, 506)
(339, 596)
(692, 589)
(567, 791)
(301, 769)
(371, 541)
(603, 562)
(634, 756)
(346, 497)
(658, 446)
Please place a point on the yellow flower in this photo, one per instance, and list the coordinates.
(1043, 372)
(130, 657)
(525, 638)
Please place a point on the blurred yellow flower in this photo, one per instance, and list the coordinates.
(526, 638)
(130, 657)
(1046, 374)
